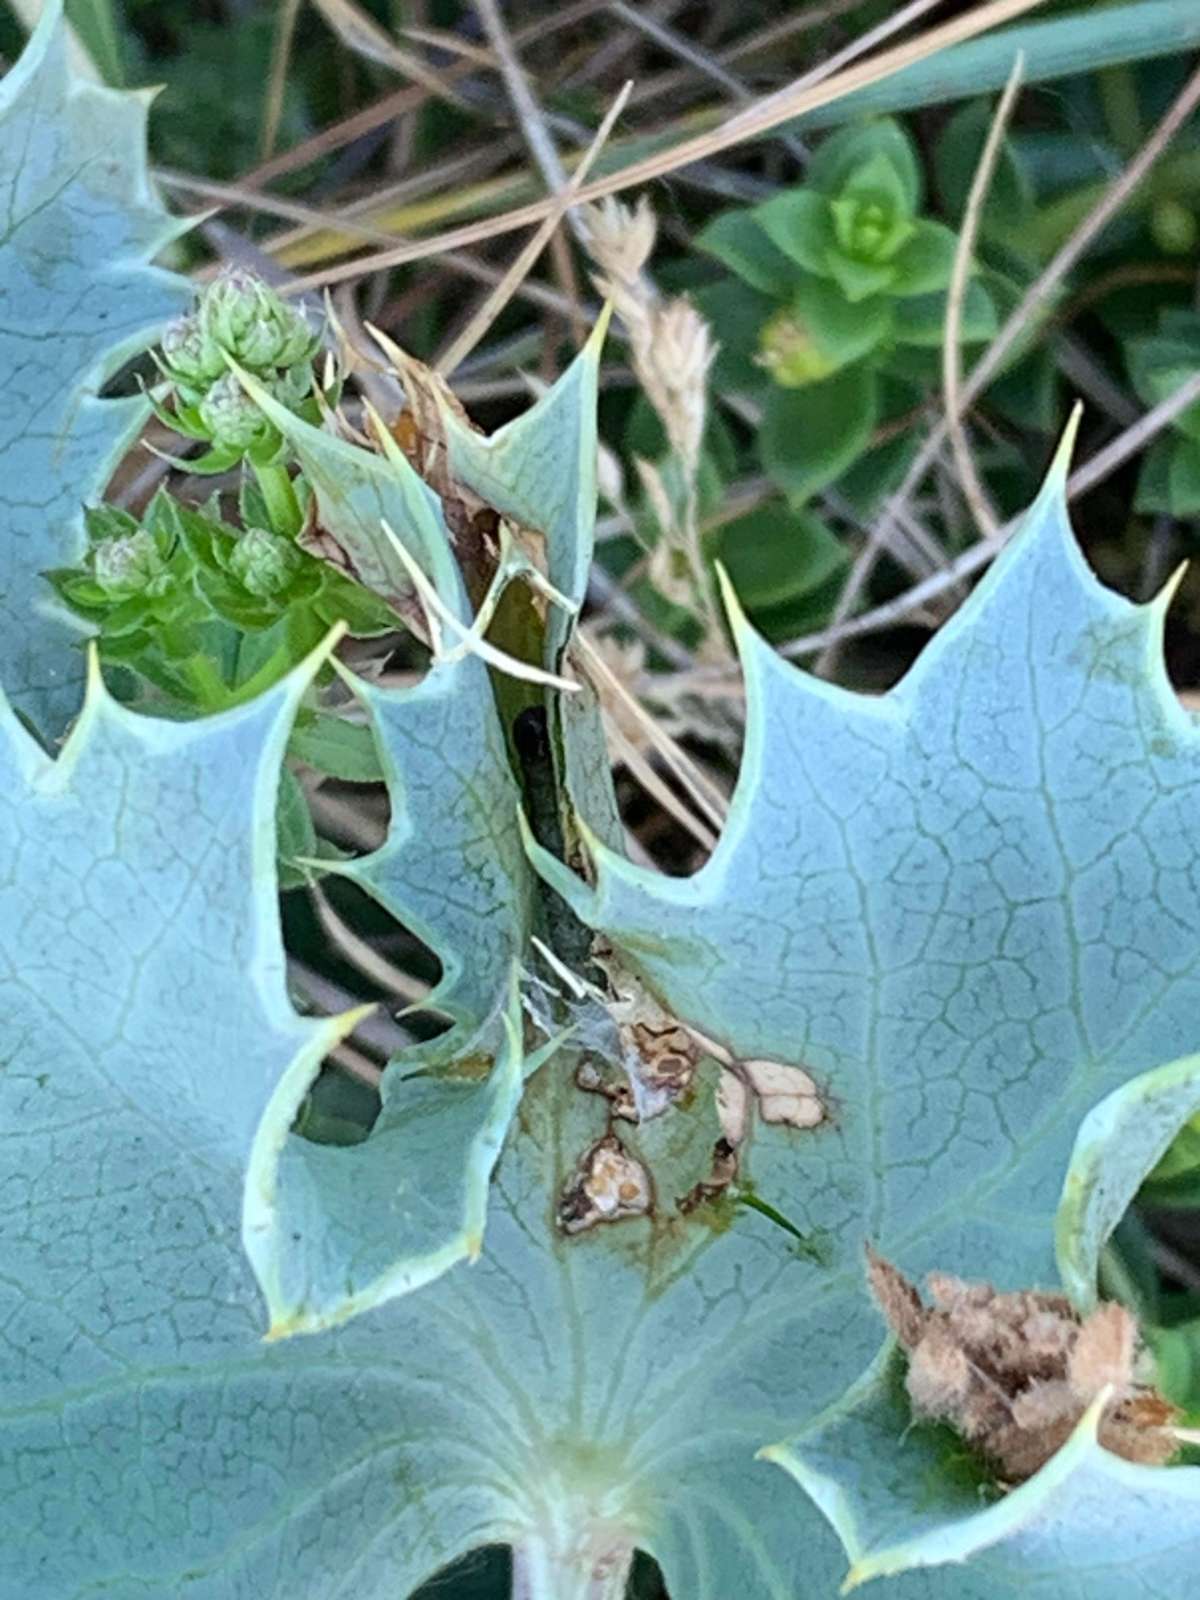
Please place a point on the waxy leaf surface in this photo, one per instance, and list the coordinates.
(968, 909)
(350, 1227)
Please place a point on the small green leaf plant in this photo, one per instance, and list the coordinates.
(842, 297)
(595, 1278)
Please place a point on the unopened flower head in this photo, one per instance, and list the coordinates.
(191, 358)
(129, 565)
(264, 562)
(231, 416)
(250, 322)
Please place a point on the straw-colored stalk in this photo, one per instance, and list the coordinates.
(671, 350)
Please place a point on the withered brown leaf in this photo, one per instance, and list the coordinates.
(1014, 1372)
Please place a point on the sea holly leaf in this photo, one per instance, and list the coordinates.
(964, 914)
(147, 1028)
(399, 1208)
(523, 1400)
(77, 297)
(574, 1395)
(575, 1392)
(1119, 1142)
(137, 871)
(452, 867)
(540, 470)
(904, 1497)
(335, 1230)
(966, 908)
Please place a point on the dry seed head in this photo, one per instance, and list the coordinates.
(620, 238)
(670, 342)
(676, 378)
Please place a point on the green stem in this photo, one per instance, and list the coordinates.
(211, 689)
(278, 491)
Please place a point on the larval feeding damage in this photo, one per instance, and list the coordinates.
(608, 1184)
(659, 1055)
(679, 1106)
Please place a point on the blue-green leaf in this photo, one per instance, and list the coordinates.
(1118, 1143)
(968, 909)
(361, 495)
(77, 298)
(540, 470)
(337, 1230)
(903, 1498)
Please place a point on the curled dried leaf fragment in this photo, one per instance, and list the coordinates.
(1014, 1372)
(784, 1094)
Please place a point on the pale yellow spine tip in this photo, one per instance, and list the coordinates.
(1061, 465)
(600, 332)
(94, 682)
(738, 621)
(1160, 604)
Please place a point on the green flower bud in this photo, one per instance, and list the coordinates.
(130, 565)
(248, 320)
(231, 416)
(263, 562)
(190, 357)
(787, 350)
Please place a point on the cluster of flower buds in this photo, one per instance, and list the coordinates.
(239, 319)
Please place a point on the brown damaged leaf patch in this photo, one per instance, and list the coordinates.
(608, 1184)
(1013, 1373)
